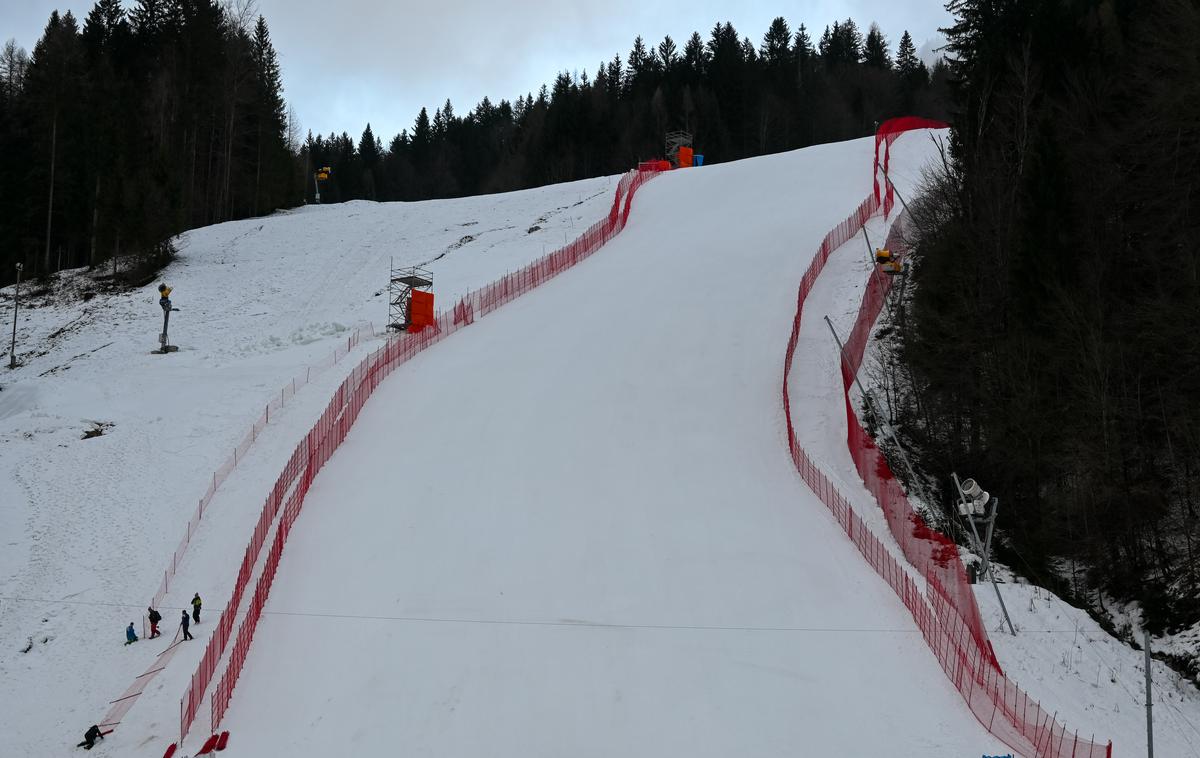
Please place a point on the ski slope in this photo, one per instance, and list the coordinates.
(574, 528)
(571, 529)
(88, 526)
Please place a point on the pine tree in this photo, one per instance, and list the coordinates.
(149, 18)
(695, 55)
(369, 154)
(668, 55)
(912, 69)
(803, 50)
(776, 48)
(875, 49)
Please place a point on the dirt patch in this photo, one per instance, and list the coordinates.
(98, 429)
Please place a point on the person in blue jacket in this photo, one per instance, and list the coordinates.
(130, 636)
(183, 623)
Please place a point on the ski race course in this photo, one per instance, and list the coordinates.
(574, 528)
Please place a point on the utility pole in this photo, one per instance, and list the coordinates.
(12, 351)
(1149, 700)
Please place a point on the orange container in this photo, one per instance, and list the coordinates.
(685, 157)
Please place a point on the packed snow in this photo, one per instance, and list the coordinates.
(572, 528)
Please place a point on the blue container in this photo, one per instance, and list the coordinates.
(697, 160)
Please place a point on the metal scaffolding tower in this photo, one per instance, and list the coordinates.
(401, 284)
(674, 141)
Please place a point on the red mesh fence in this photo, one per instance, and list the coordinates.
(239, 451)
(945, 612)
(119, 707)
(885, 135)
(318, 446)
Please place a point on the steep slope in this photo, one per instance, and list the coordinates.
(574, 528)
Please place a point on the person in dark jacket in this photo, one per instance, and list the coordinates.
(154, 617)
(89, 739)
(130, 635)
(184, 625)
(196, 608)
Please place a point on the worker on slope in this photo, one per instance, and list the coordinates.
(130, 635)
(183, 624)
(154, 617)
(196, 608)
(89, 738)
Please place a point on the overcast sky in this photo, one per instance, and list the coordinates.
(350, 62)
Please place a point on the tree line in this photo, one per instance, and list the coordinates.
(736, 98)
(142, 123)
(133, 126)
(1050, 345)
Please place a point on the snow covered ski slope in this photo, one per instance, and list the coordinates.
(574, 528)
(87, 527)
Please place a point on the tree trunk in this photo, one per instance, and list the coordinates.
(50, 208)
(95, 224)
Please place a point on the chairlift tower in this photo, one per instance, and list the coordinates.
(674, 141)
(401, 284)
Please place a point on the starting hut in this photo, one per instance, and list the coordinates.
(402, 283)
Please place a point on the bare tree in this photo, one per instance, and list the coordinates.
(13, 63)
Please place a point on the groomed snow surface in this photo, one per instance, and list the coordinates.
(571, 529)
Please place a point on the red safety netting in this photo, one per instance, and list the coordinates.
(957, 634)
(885, 135)
(320, 443)
(119, 707)
(946, 612)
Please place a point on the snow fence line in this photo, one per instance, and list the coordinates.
(946, 612)
(239, 451)
(331, 429)
(119, 707)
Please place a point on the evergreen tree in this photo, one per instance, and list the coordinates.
(668, 55)
(695, 55)
(776, 50)
(875, 49)
(912, 70)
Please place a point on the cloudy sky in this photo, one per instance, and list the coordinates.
(350, 62)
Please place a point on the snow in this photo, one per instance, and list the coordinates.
(88, 526)
(1061, 656)
(572, 528)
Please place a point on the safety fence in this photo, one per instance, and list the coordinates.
(119, 707)
(330, 430)
(962, 644)
(239, 451)
(945, 612)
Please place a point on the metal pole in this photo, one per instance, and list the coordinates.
(317, 188)
(987, 541)
(984, 548)
(12, 352)
(883, 425)
(870, 250)
(166, 320)
(888, 179)
(1149, 700)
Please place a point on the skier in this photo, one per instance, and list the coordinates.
(155, 617)
(184, 625)
(130, 636)
(89, 739)
(196, 608)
